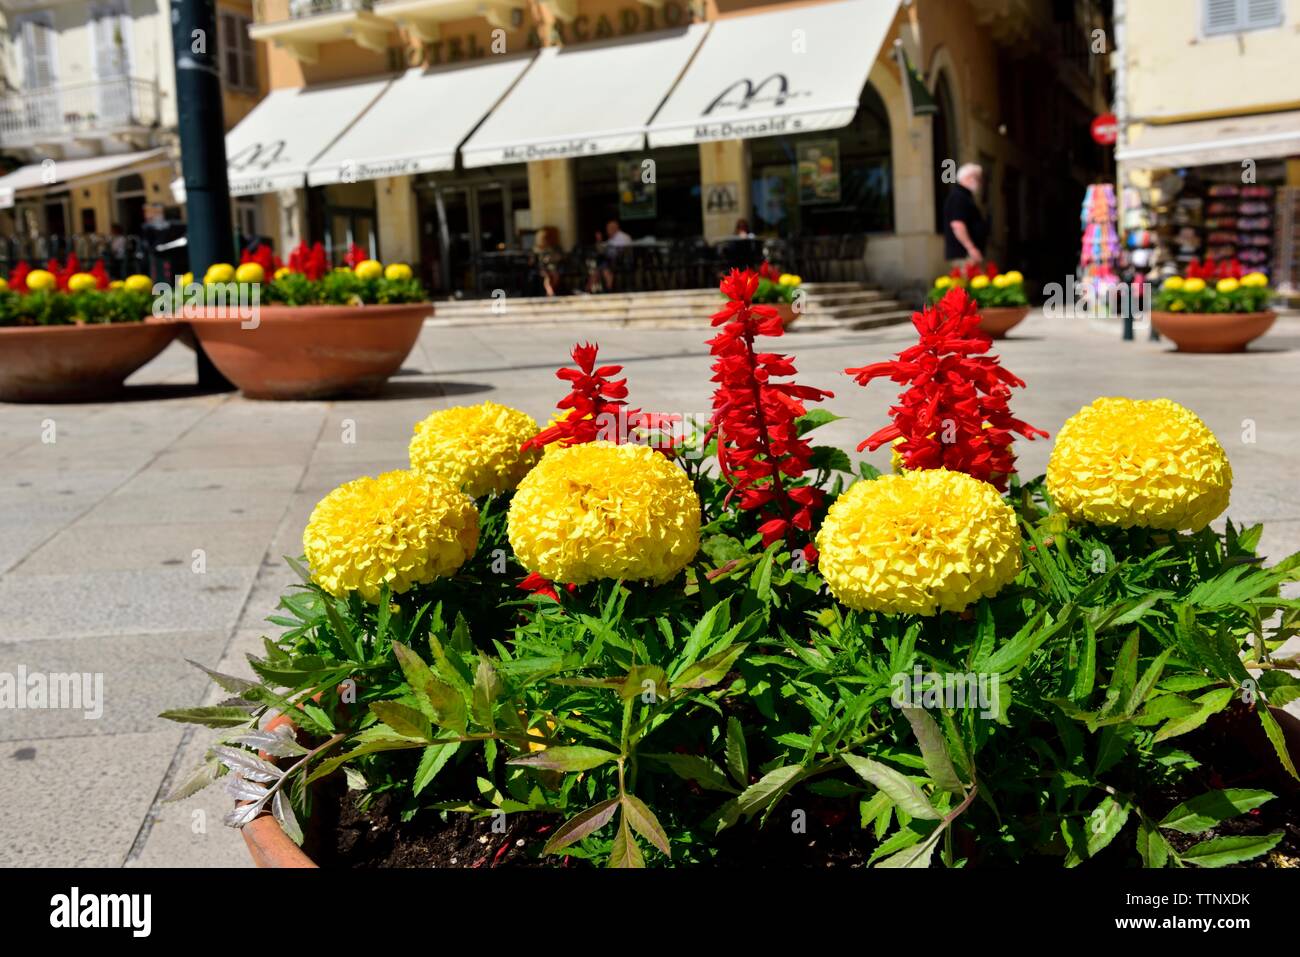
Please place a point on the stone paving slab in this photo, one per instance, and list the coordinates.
(92, 525)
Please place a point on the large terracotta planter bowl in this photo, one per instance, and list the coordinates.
(75, 363)
(309, 352)
(996, 321)
(1212, 331)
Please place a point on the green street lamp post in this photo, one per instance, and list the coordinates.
(210, 232)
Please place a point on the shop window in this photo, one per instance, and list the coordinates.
(834, 182)
(653, 194)
(1237, 16)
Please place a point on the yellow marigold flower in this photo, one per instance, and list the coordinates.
(1173, 282)
(925, 541)
(400, 528)
(1133, 462)
(600, 510)
(1194, 284)
(979, 282)
(943, 282)
(1014, 276)
(475, 447)
(1227, 285)
(1254, 280)
(1001, 281)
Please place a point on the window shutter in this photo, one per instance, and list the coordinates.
(1222, 16)
(1263, 13)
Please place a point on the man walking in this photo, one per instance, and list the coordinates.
(965, 230)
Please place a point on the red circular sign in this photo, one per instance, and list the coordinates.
(1105, 129)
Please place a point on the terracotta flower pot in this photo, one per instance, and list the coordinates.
(786, 311)
(267, 843)
(995, 321)
(309, 352)
(75, 363)
(1212, 331)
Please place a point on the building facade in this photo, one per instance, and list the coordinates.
(1208, 104)
(438, 131)
(88, 111)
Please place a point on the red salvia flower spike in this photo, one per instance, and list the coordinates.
(954, 413)
(755, 419)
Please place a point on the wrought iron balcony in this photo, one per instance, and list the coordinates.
(300, 26)
(101, 109)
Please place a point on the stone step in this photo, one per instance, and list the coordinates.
(843, 305)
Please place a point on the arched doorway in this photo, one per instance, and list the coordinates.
(946, 145)
(128, 202)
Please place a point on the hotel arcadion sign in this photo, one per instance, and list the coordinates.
(583, 28)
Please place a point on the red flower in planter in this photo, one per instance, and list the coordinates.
(954, 413)
(755, 418)
(101, 275)
(264, 257)
(65, 272)
(18, 276)
(535, 584)
(310, 262)
(354, 255)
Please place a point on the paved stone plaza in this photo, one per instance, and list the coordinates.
(99, 528)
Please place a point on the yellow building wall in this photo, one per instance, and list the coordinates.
(1175, 73)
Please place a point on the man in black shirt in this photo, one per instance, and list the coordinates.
(964, 228)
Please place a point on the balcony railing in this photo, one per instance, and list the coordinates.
(78, 111)
(309, 8)
(301, 26)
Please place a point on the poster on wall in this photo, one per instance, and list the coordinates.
(819, 172)
(637, 199)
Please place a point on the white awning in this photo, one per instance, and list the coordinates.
(774, 74)
(90, 169)
(586, 100)
(416, 125)
(274, 145)
(1207, 142)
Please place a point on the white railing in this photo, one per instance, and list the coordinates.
(98, 108)
(309, 8)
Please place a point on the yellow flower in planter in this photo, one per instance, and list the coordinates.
(397, 271)
(1195, 284)
(369, 269)
(282, 272)
(1173, 282)
(250, 272)
(399, 528)
(925, 541)
(1014, 277)
(81, 282)
(789, 279)
(1227, 285)
(1133, 462)
(1001, 281)
(476, 447)
(218, 273)
(1254, 280)
(185, 279)
(41, 280)
(4, 284)
(943, 282)
(979, 282)
(137, 283)
(600, 510)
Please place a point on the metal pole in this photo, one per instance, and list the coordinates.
(203, 150)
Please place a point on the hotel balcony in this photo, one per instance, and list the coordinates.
(423, 17)
(302, 26)
(82, 113)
